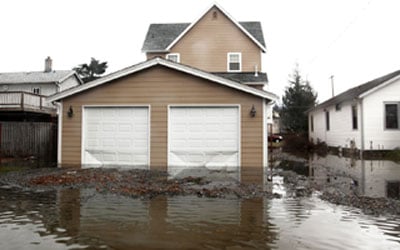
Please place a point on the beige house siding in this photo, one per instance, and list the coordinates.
(159, 87)
(209, 41)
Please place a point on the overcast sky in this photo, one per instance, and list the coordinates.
(356, 41)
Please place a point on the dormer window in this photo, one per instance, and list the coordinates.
(173, 57)
(234, 62)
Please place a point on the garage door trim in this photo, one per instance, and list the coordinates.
(238, 106)
(83, 127)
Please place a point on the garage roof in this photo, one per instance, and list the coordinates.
(169, 64)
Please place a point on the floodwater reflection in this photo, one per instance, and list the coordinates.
(73, 219)
(373, 178)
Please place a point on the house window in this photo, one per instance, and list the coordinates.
(312, 123)
(392, 116)
(234, 62)
(36, 91)
(354, 116)
(173, 57)
(327, 120)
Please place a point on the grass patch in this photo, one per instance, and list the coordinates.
(7, 169)
(393, 155)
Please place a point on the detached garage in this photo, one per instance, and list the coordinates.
(163, 115)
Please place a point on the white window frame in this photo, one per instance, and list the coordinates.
(178, 57)
(229, 61)
(385, 114)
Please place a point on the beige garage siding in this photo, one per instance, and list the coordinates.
(159, 87)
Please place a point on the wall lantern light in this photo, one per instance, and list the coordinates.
(253, 111)
(70, 112)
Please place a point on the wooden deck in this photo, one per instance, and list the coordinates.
(25, 102)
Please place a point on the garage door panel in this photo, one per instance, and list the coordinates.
(116, 136)
(203, 137)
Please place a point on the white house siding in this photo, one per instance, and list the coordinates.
(69, 83)
(341, 131)
(46, 89)
(372, 176)
(376, 137)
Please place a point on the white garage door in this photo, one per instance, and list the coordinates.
(116, 136)
(203, 137)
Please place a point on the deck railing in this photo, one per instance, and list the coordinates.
(24, 101)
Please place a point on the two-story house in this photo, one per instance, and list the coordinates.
(23, 94)
(196, 104)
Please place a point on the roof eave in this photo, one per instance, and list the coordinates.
(166, 63)
(368, 92)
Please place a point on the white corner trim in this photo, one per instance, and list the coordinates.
(59, 132)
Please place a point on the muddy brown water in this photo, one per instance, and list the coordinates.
(86, 219)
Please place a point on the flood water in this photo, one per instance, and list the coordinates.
(85, 219)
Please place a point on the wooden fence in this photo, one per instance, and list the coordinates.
(29, 139)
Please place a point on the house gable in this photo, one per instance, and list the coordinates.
(206, 43)
(215, 11)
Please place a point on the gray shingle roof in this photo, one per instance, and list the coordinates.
(255, 29)
(35, 77)
(357, 91)
(244, 77)
(159, 36)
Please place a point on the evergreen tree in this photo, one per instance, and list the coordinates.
(298, 98)
(92, 71)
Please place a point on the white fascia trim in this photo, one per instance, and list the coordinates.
(382, 85)
(169, 64)
(229, 17)
(104, 79)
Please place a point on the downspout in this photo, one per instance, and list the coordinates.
(59, 131)
(362, 146)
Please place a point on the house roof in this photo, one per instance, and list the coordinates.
(161, 37)
(36, 77)
(169, 64)
(359, 91)
(244, 77)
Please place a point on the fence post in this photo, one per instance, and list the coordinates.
(22, 100)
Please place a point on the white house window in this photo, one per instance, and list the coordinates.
(173, 57)
(327, 122)
(234, 62)
(36, 91)
(354, 116)
(392, 115)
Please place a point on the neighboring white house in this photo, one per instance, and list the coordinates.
(47, 82)
(366, 117)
